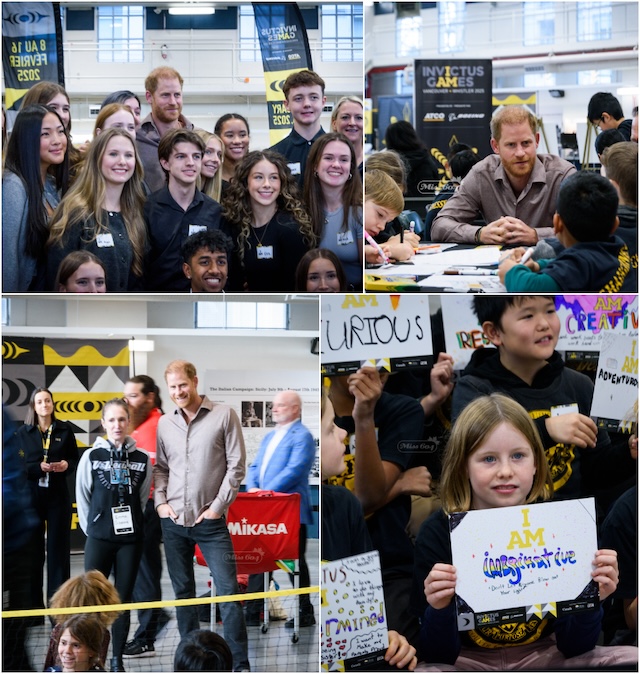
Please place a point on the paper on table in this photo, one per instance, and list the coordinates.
(485, 284)
(482, 256)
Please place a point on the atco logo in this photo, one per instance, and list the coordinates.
(465, 115)
(294, 57)
(433, 117)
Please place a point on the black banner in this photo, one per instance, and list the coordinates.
(31, 49)
(452, 104)
(285, 50)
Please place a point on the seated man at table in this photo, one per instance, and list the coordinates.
(514, 190)
(593, 258)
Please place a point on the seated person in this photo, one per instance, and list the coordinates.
(344, 531)
(514, 190)
(605, 112)
(206, 260)
(621, 163)
(593, 259)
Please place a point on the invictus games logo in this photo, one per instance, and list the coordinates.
(22, 18)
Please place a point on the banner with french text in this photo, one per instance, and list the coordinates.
(285, 50)
(31, 49)
(452, 104)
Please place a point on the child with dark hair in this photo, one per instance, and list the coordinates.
(203, 651)
(605, 112)
(593, 259)
(206, 260)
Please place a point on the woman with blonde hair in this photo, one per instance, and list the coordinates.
(102, 213)
(271, 228)
(210, 182)
(347, 118)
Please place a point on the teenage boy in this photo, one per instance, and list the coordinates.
(605, 112)
(525, 366)
(593, 258)
(304, 98)
(177, 210)
(206, 260)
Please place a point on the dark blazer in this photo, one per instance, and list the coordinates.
(62, 446)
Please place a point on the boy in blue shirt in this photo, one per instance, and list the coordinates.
(593, 259)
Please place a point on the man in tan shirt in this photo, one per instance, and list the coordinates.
(200, 464)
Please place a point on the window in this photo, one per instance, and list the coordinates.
(594, 20)
(409, 36)
(539, 79)
(249, 315)
(341, 32)
(248, 35)
(120, 34)
(592, 77)
(5, 311)
(451, 16)
(539, 23)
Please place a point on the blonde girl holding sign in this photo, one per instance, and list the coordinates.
(495, 458)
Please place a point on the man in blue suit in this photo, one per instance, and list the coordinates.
(283, 464)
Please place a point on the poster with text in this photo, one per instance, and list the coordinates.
(462, 332)
(516, 562)
(354, 630)
(615, 397)
(251, 393)
(584, 319)
(388, 332)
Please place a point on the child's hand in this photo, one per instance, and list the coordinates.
(440, 585)
(407, 237)
(574, 429)
(399, 251)
(400, 652)
(415, 481)
(365, 386)
(606, 572)
(372, 256)
(505, 265)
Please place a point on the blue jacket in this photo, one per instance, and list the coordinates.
(289, 467)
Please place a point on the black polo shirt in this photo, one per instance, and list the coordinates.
(295, 149)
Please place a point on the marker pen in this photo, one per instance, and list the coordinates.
(376, 245)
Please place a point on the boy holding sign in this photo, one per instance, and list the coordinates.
(525, 366)
(494, 459)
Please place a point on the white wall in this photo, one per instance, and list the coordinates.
(215, 80)
(127, 317)
(494, 30)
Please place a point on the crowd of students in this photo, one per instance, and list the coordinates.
(492, 437)
(140, 188)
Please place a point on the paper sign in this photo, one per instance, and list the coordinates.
(616, 385)
(354, 625)
(462, 332)
(584, 319)
(520, 561)
(389, 332)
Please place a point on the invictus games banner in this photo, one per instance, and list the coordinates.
(285, 50)
(31, 49)
(452, 104)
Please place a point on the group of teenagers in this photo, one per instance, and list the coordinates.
(403, 452)
(158, 205)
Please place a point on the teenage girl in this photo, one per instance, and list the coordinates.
(320, 271)
(271, 227)
(333, 195)
(495, 458)
(102, 213)
(36, 174)
(210, 182)
(81, 272)
(234, 131)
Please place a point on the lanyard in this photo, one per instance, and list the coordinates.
(46, 442)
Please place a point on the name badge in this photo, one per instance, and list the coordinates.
(194, 229)
(294, 168)
(264, 252)
(569, 408)
(122, 519)
(44, 481)
(105, 240)
(345, 238)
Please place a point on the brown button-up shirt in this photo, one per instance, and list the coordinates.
(201, 464)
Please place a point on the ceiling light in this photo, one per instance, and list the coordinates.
(195, 10)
